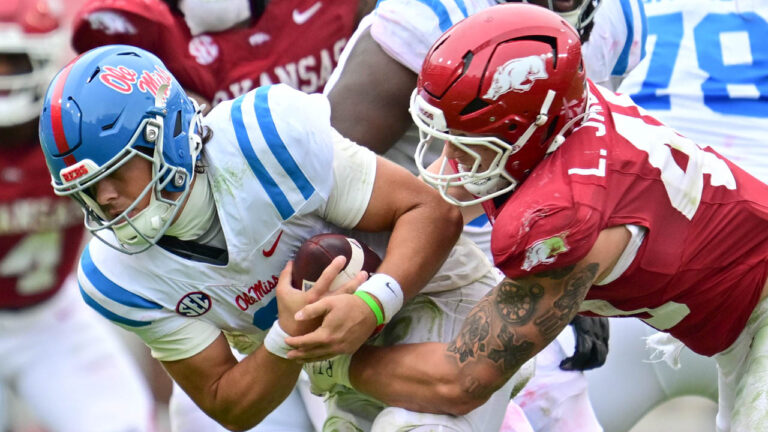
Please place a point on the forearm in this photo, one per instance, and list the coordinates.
(418, 377)
(424, 227)
(237, 395)
(419, 245)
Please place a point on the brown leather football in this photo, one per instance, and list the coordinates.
(317, 252)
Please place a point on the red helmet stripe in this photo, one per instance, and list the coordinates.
(56, 123)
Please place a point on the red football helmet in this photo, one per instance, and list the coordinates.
(509, 78)
(32, 43)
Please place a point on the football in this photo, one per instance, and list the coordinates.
(317, 252)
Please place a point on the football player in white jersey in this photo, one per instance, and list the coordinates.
(369, 94)
(706, 75)
(196, 219)
(58, 356)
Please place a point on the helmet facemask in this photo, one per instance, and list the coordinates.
(484, 185)
(137, 233)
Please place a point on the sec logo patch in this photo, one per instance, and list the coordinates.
(194, 304)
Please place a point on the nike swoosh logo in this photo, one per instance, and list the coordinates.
(390, 287)
(300, 17)
(268, 252)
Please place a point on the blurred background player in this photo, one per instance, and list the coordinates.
(221, 49)
(706, 75)
(369, 94)
(58, 357)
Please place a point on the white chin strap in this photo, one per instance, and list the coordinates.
(486, 186)
(205, 16)
(573, 17)
(148, 222)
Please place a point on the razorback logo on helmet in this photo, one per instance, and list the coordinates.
(516, 75)
(194, 304)
(122, 79)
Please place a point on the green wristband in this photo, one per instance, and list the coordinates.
(373, 305)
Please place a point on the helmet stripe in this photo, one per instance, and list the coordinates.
(56, 116)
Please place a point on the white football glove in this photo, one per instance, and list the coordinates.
(325, 374)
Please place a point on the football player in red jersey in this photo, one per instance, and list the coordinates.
(221, 50)
(597, 207)
(58, 357)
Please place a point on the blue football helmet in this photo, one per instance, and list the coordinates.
(107, 106)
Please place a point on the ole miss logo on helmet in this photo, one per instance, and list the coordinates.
(122, 79)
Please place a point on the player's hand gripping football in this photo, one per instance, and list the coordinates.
(291, 300)
(329, 323)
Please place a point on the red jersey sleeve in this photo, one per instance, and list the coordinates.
(543, 238)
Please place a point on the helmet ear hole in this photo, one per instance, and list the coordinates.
(475, 105)
(177, 127)
(551, 130)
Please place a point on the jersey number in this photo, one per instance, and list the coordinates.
(748, 28)
(33, 261)
(684, 186)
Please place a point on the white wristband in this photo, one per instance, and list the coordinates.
(386, 289)
(274, 342)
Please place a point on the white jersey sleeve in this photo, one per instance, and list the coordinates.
(286, 135)
(617, 42)
(285, 140)
(706, 75)
(406, 29)
(354, 172)
(301, 150)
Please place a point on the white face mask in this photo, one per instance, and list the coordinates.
(204, 16)
(148, 222)
(486, 186)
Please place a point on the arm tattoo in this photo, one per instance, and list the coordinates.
(493, 327)
(474, 333)
(576, 287)
(511, 355)
(516, 301)
(566, 306)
